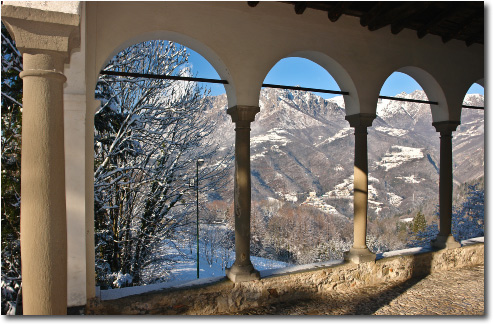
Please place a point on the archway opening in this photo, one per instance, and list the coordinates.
(294, 167)
(408, 150)
(157, 164)
(468, 167)
(404, 157)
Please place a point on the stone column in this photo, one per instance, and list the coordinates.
(45, 38)
(359, 252)
(242, 269)
(43, 221)
(444, 239)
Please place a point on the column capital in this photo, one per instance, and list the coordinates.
(38, 31)
(361, 120)
(446, 127)
(243, 113)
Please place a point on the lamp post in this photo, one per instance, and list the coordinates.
(199, 163)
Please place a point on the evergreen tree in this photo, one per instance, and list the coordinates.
(419, 223)
(422, 234)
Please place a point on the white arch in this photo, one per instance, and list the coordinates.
(186, 41)
(433, 91)
(336, 70)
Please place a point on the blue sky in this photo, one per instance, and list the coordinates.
(294, 71)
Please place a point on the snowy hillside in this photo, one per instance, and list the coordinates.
(301, 143)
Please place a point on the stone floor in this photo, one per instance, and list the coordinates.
(453, 292)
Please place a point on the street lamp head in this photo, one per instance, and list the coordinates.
(200, 162)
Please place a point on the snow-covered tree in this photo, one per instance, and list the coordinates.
(468, 219)
(149, 134)
(424, 237)
(11, 172)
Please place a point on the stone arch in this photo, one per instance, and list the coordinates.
(336, 70)
(182, 39)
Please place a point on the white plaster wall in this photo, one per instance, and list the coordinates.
(74, 119)
(247, 42)
(75, 128)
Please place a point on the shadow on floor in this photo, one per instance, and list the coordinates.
(359, 301)
(421, 268)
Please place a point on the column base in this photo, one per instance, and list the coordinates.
(358, 255)
(242, 273)
(445, 242)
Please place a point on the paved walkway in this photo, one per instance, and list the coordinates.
(454, 292)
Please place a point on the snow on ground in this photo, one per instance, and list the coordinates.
(343, 190)
(339, 168)
(266, 268)
(406, 220)
(375, 205)
(273, 135)
(184, 273)
(291, 197)
(258, 155)
(410, 179)
(298, 268)
(398, 155)
(340, 134)
(422, 249)
(372, 192)
(319, 203)
(372, 179)
(394, 199)
(472, 241)
(474, 130)
(391, 131)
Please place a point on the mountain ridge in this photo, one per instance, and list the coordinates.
(301, 143)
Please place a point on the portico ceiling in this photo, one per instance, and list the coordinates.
(460, 20)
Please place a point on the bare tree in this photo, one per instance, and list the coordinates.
(148, 136)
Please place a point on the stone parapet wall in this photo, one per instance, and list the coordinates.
(226, 296)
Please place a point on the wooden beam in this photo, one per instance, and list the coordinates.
(399, 23)
(337, 10)
(475, 38)
(463, 26)
(299, 7)
(444, 14)
(397, 12)
(372, 13)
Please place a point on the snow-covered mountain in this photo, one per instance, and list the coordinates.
(301, 143)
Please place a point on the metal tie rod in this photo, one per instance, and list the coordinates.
(472, 107)
(409, 100)
(173, 77)
(161, 77)
(265, 85)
